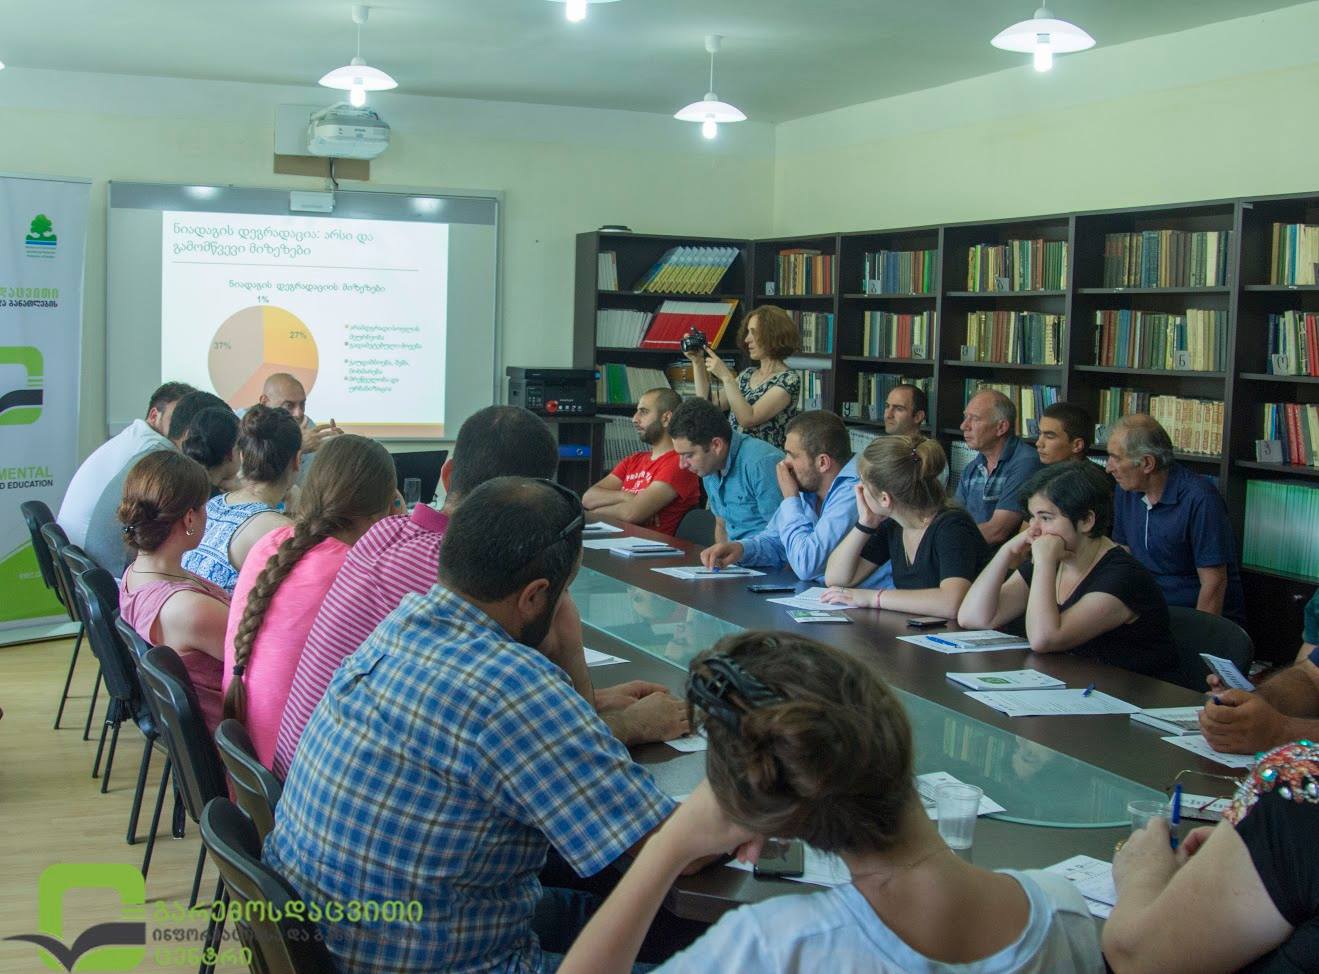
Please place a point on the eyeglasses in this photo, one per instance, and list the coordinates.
(576, 524)
(714, 693)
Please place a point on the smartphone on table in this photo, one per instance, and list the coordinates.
(781, 858)
(768, 588)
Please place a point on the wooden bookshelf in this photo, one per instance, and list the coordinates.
(1247, 297)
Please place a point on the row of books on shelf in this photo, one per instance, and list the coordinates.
(1295, 254)
(900, 272)
(1167, 258)
(816, 329)
(1194, 425)
(663, 330)
(1294, 343)
(686, 270)
(886, 335)
(1274, 510)
(1031, 401)
(1018, 265)
(623, 385)
(1193, 342)
(810, 395)
(1014, 337)
(872, 389)
(1296, 427)
(799, 270)
(606, 270)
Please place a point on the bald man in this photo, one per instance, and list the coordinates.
(284, 391)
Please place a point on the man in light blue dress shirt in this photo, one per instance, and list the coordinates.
(737, 471)
(818, 479)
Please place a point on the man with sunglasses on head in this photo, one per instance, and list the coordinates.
(456, 746)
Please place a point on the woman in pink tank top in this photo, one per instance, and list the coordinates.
(286, 575)
(163, 513)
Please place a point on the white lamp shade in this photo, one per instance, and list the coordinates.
(710, 108)
(358, 75)
(1023, 37)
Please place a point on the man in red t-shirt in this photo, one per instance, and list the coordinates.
(649, 487)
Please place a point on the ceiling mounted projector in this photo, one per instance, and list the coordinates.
(344, 132)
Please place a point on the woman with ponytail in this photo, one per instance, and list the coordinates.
(808, 743)
(287, 573)
(269, 446)
(212, 440)
(163, 513)
(903, 516)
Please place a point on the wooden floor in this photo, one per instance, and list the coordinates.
(52, 811)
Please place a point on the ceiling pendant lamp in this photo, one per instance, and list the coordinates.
(710, 111)
(577, 8)
(357, 77)
(1043, 36)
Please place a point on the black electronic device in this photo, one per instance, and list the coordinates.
(767, 587)
(694, 340)
(552, 392)
(424, 465)
(786, 858)
(926, 622)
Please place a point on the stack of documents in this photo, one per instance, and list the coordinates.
(971, 641)
(1053, 703)
(696, 573)
(594, 529)
(631, 547)
(1196, 744)
(1007, 680)
(810, 599)
(1171, 720)
(1093, 878)
(596, 658)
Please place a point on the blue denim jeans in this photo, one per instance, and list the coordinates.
(560, 916)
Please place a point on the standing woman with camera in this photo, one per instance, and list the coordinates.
(761, 401)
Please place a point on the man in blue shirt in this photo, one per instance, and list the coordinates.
(818, 480)
(737, 471)
(456, 746)
(1173, 521)
(990, 485)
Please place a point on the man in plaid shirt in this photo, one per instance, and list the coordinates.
(456, 746)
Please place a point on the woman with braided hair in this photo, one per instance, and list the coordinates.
(904, 517)
(809, 743)
(285, 577)
(163, 513)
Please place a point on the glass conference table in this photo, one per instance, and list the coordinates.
(1035, 784)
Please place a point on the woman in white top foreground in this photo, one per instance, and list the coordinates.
(807, 742)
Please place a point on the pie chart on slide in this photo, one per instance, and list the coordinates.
(255, 343)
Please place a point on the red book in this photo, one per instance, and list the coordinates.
(675, 318)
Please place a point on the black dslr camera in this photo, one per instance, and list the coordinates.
(694, 340)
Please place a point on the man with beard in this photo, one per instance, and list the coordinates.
(649, 487)
(819, 482)
(456, 746)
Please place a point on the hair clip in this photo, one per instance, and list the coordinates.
(729, 692)
(128, 530)
(239, 669)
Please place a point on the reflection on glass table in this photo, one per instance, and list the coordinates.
(1036, 784)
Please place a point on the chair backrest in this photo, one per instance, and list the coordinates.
(255, 786)
(1195, 632)
(56, 541)
(289, 945)
(197, 767)
(36, 514)
(98, 601)
(131, 638)
(697, 526)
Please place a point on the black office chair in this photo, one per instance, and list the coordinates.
(255, 786)
(1195, 632)
(137, 648)
(697, 526)
(56, 541)
(198, 772)
(37, 515)
(287, 946)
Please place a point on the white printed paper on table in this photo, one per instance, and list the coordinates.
(1007, 680)
(689, 744)
(620, 544)
(971, 641)
(696, 573)
(927, 783)
(810, 599)
(596, 658)
(1196, 744)
(600, 527)
(1093, 879)
(1053, 703)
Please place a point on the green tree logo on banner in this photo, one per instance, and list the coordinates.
(41, 239)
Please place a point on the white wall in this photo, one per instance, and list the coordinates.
(1218, 111)
(562, 171)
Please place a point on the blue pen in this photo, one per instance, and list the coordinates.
(1176, 814)
(1217, 701)
(1088, 690)
(943, 642)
